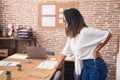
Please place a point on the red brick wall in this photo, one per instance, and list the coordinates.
(103, 14)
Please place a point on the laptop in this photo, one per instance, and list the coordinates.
(36, 52)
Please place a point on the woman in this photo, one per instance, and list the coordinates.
(84, 43)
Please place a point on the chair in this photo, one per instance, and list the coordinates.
(57, 75)
(49, 52)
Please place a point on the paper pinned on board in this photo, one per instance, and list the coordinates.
(61, 10)
(47, 64)
(48, 9)
(18, 56)
(8, 63)
(48, 21)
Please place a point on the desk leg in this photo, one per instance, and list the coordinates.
(35, 42)
(8, 46)
(29, 42)
(16, 45)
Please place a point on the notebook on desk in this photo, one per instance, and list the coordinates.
(36, 52)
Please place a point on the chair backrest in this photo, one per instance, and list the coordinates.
(49, 52)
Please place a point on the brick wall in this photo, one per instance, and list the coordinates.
(103, 14)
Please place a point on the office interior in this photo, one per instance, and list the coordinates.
(27, 14)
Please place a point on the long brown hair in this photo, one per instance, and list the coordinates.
(75, 22)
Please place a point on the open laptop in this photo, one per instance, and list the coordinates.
(36, 52)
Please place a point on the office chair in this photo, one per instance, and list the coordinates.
(49, 52)
(57, 75)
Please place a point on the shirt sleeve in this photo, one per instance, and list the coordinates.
(67, 50)
(101, 35)
(94, 36)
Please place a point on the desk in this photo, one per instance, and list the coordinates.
(70, 59)
(18, 39)
(27, 69)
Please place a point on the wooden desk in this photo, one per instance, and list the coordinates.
(18, 39)
(70, 59)
(27, 69)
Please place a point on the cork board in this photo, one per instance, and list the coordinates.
(50, 13)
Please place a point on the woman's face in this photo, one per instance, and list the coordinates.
(65, 22)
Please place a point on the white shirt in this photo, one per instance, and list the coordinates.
(83, 45)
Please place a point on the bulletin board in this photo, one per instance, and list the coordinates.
(50, 13)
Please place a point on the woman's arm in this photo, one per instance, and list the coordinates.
(67, 50)
(101, 45)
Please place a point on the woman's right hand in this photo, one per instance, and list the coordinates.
(96, 55)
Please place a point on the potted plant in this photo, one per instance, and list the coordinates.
(19, 67)
(8, 75)
(27, 59)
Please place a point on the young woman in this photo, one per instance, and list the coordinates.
(84, 43)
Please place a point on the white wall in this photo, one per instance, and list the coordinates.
(118, 67)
